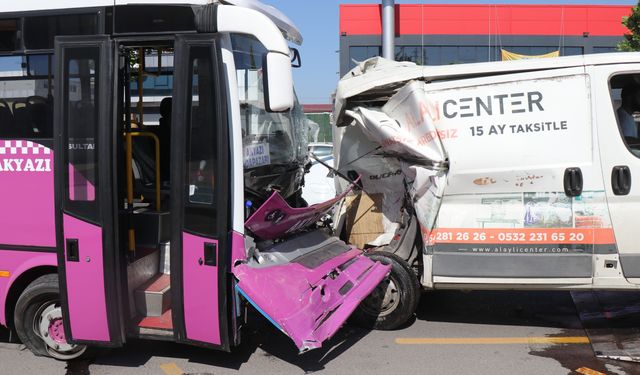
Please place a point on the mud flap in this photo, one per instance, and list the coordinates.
(310, 304)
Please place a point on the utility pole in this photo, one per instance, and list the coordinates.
(388, 29)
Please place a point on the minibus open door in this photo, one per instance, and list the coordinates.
(85, 142)
(200, 195)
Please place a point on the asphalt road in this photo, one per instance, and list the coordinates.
(454, 333)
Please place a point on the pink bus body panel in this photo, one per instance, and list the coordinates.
(238, 251)
(17, 262)
(200, 288)
(85, 282)
(27, 194)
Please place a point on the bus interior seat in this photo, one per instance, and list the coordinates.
(41, 115)
(23, 120)
(6, 119)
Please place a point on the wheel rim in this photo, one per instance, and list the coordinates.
(383, 300)
(48, 325)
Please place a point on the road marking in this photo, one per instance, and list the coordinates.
(493, 340)
(588, 371)
(171, 369)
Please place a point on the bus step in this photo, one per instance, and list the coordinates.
(154, 297)
(610, 320)
(162, 322)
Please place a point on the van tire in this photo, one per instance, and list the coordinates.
(40, 301)
(394, 302)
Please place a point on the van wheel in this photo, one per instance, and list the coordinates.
(38, 321)
(394, 301)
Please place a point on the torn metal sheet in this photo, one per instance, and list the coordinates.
(307, 301)
(404, 128)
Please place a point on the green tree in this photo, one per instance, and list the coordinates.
(631, 41)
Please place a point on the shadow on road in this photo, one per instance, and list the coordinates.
(519, 308)
(259, 334)
(4, 335)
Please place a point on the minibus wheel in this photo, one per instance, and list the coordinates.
(394, 301)
(38, 321)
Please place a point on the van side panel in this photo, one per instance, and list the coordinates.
(505, 212)
(26, 194)
(13, 264)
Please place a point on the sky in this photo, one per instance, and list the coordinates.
(318, 21)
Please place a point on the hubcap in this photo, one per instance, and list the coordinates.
(48, 325)
(383, 300)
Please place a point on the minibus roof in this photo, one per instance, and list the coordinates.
(288, 28)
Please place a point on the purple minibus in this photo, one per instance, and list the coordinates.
(151, 164)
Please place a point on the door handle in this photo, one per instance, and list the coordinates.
(210, 254)
(73, 250)
(573, 182)
(621, 180)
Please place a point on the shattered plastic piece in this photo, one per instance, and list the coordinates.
(276, 218)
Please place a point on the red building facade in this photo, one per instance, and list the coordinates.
(431, 34)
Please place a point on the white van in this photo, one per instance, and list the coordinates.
(519, 175)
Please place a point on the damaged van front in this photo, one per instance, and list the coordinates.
(489, 176)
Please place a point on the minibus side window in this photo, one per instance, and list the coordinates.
(625, 95)
(26, 97)
(200, 211)
(40, 31)
(9, 34)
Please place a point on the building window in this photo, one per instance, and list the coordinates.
(543, 50)
(446, 55)
(358, 54)
(605, 49)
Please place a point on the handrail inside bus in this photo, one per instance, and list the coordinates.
(129, 156)
(129, 165)
(129, 135)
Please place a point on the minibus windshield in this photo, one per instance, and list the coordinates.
(268, 138)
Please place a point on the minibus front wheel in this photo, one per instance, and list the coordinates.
(394, 302)
(38, 321)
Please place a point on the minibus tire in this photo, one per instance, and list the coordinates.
(42, 295)
(404, 294)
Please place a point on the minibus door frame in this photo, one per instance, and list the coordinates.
(200, 276)
(89, 264)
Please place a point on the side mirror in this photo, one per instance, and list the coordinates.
(296, 60)
(278, 82)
